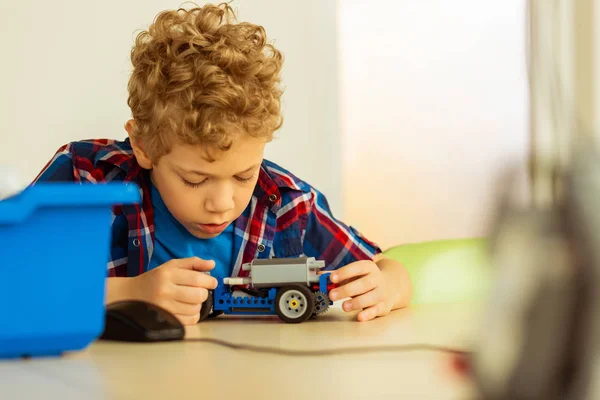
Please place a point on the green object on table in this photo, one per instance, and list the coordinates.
(446, 270)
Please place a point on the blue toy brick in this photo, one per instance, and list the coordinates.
(324, 281)
(226, 301)
(56, 239)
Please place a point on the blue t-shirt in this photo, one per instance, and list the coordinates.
(172, 240)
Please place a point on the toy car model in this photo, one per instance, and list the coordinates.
(291, 288)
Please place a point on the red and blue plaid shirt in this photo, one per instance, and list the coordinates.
(286, 217)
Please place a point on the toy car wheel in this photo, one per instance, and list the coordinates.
(207, 307)
(294, 303)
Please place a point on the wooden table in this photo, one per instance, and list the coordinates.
(198, 370)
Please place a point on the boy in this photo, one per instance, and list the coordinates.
(205, 100)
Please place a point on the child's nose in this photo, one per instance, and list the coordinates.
(219, 206)
(220, 202)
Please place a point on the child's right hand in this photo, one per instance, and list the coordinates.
(179, 286)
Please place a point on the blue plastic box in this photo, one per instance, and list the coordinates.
(55, 242)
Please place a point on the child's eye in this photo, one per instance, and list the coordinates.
(244, 179)
(192, 184)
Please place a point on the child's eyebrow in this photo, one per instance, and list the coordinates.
(198, 172)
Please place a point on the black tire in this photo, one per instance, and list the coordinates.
(301, 308)
(207, 307)
(215, 314)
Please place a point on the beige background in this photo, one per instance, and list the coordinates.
(433, 108)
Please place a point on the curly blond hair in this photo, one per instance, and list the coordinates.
(201, 77)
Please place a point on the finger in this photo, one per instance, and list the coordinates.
(347, 281)
(190, 295)
(364, 301)
(188, 320)
(354, 288)
(355, 269)
(370, 313)
(186, 277)
(194, 263)
(185, 309)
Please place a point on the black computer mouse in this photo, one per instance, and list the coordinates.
(138, 321)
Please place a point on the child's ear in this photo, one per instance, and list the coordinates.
(142, 158)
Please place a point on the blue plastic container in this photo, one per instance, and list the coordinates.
(54, 240)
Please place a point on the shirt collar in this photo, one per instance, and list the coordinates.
(119, 154)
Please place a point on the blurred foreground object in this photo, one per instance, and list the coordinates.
(540, 332)
(53, 267)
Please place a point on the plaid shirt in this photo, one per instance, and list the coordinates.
(286, 217)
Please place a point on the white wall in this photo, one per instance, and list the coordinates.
(433, 106)
(65, 66)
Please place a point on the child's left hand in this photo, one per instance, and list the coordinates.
(367, 287)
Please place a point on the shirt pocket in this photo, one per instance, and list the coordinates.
(288, 242)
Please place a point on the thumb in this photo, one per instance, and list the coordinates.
(195, 263)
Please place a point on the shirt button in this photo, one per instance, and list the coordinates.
(136, 242)
(273, 197)
(261, 248)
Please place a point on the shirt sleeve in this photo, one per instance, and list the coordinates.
(329, 239)
(59, 168)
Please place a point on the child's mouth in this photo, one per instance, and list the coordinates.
(213, 228)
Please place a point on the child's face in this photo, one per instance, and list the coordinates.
(206, 196)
